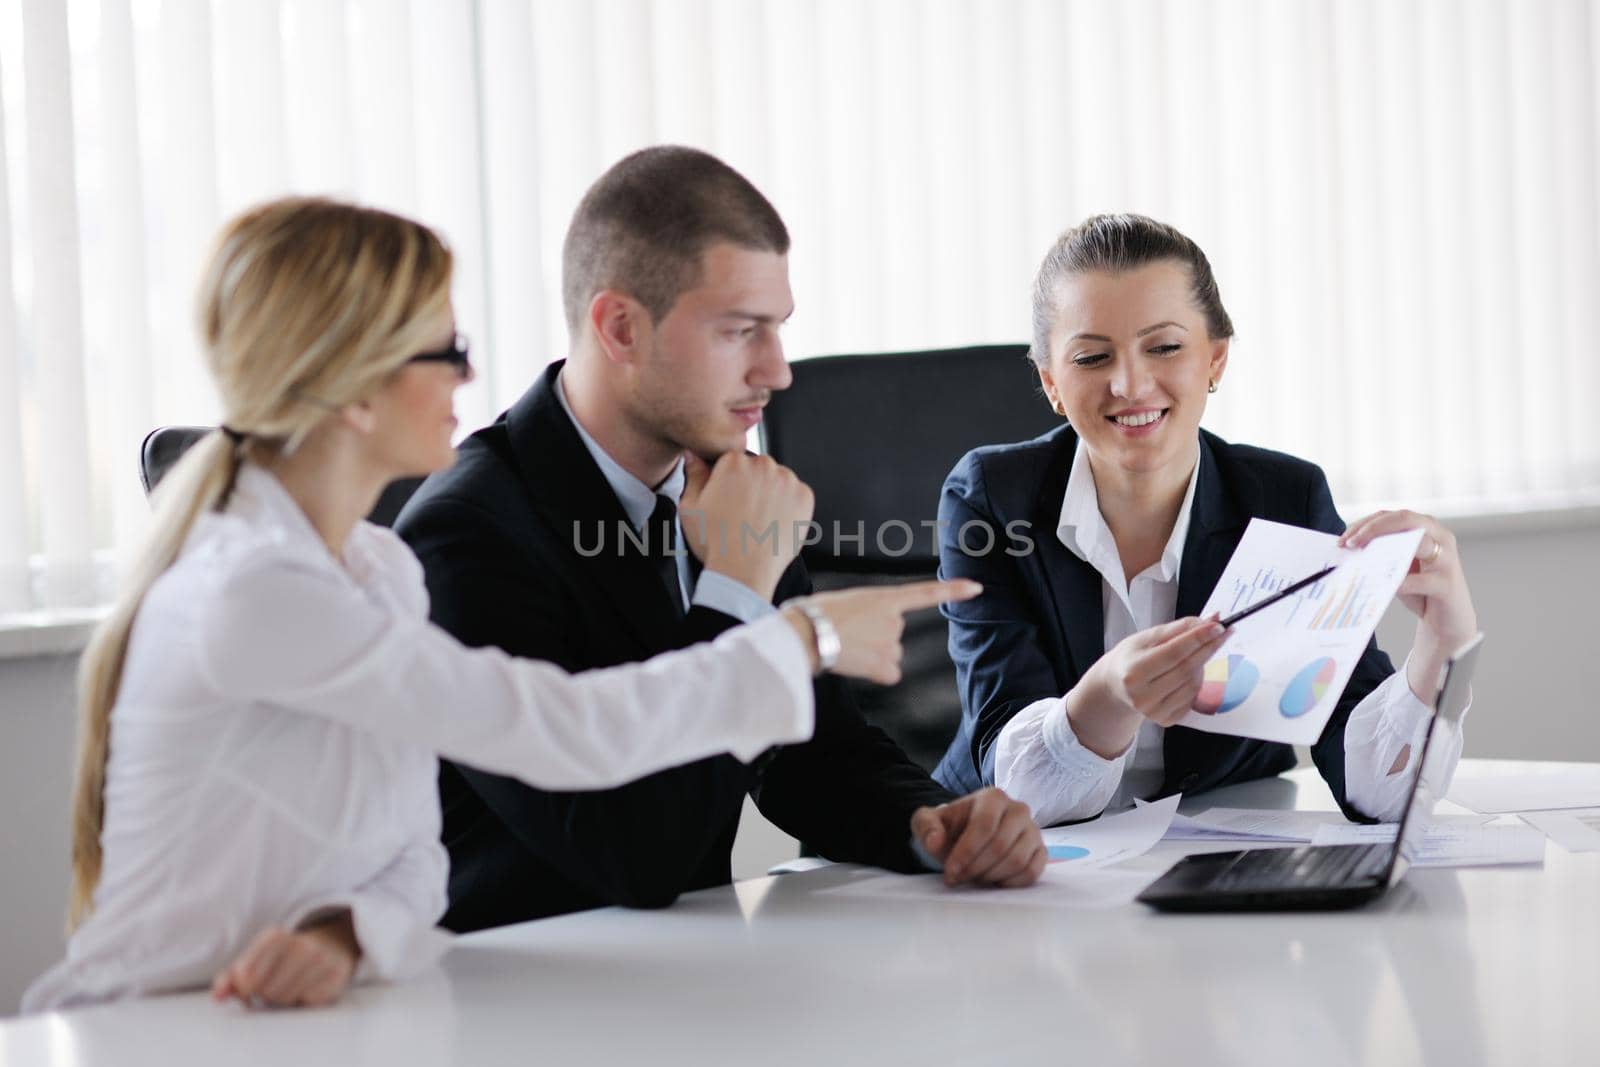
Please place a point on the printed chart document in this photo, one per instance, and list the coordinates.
(1449, 844)
(1575, 831)
(1110, 838)
(1076, 876)
(1280, 673)
(1546, 787)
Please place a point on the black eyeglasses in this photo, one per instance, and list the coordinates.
(454, 354)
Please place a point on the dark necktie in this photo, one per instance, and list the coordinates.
(661, 533)
(661, 540)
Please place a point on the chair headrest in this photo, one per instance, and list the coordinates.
(162, 448)
(875, 435)
(165, 445)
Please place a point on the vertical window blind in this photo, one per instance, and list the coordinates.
(1399, 198)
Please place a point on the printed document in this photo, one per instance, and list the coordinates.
(1279, 675)
(1449, 844)
(1077, 875)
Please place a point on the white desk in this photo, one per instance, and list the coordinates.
(1459, 967)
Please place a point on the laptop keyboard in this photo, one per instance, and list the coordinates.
(1323, 865)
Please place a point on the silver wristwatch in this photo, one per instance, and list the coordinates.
(827, 638)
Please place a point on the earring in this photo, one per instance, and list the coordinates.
(1211, 386)
(1058, 408)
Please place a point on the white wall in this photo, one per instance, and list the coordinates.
(1535, 592)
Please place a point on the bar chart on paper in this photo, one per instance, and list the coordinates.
(1346, 604)
(1252, 589)
(1337, 602)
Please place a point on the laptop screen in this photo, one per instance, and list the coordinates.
(1432, 777)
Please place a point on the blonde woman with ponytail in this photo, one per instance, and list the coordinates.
(262, 709)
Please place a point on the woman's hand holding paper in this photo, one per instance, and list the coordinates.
(1155, 674)
(1435, 591)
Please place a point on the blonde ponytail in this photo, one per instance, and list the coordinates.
(197, 483)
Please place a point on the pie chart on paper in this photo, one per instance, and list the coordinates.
(1229, 681)
(1058, 853)
(1307, 688)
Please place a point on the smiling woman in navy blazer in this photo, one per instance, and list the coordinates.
(1073, 674)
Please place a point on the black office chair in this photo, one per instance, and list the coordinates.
(165, 445)
(874, 436)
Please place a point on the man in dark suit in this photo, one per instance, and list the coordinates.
(675, 282)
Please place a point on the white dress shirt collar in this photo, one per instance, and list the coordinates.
(1083, 530)
(638, 499)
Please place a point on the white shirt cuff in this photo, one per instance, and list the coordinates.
(395, 942)
(730, 596)
(1386, 722)
(1071, 754)
(1040, 761)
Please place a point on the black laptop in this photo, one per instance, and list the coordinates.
(1323, 876)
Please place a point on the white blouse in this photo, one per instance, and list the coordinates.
(1040, 761)
(273, 746)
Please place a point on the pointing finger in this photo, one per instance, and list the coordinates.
(1168, 631)
(915, 596)
(1183, 640)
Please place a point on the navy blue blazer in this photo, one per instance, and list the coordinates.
(1040, 623)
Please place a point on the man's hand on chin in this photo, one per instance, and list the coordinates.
(985, 838)
(744, 517)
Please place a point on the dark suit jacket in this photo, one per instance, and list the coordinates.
(1040, 624)
(495, 534)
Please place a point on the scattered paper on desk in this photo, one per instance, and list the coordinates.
(1250, 824)
(1449, 844)
(1090, 887)
(1110, 838)
(1270, 826)
(799, 865)
(1525, 787)
(1075, 877)
(1575, 831)
(1280, 674)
